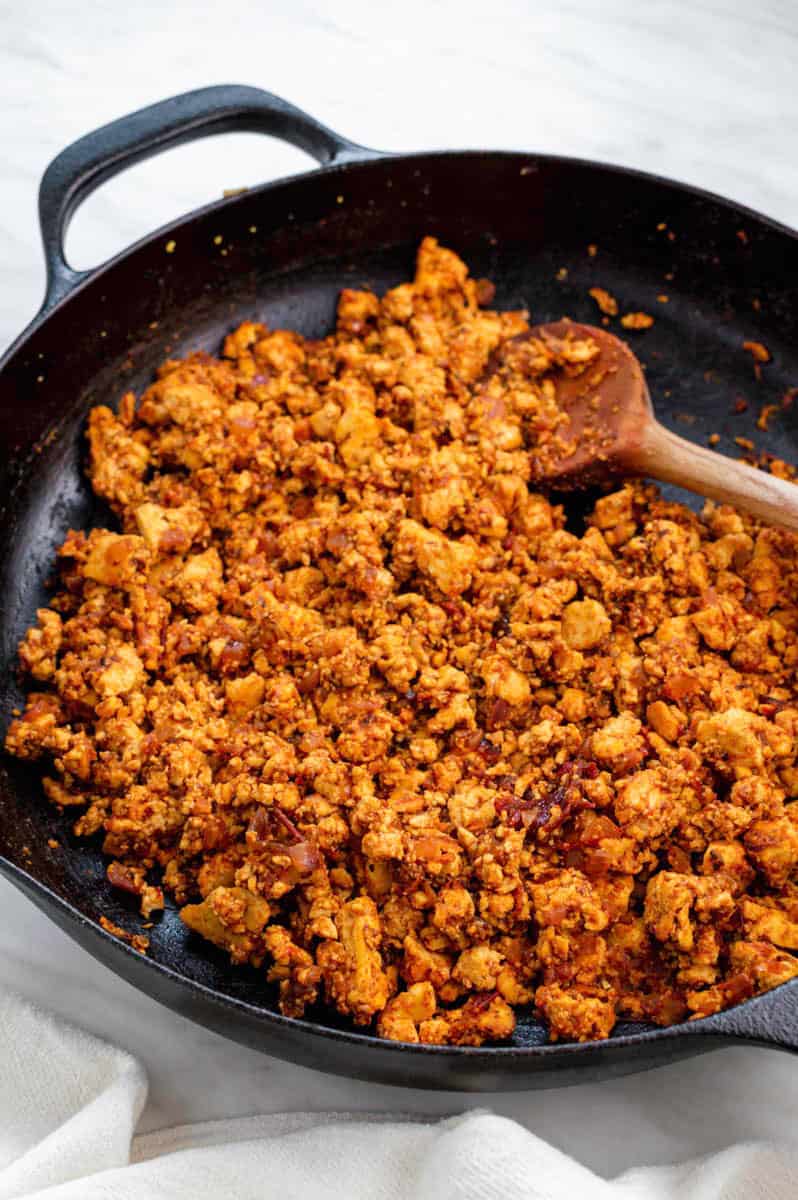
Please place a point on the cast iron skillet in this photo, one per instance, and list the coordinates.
(523, 220)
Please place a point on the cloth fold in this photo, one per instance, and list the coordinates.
(69, 1105)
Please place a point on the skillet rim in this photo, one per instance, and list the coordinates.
(377, 159)
(714, 1028)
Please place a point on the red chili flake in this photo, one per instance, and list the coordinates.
(478, 1003)
(533, 811)
(119, 877)
(302, 507)
(489, 752)
(269, 827)
(517, 811)
(498, 712)
(740, 405)
(259, 825)
(286, 822)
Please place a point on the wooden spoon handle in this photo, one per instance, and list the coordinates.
(665, 456)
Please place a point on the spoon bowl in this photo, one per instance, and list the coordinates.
(608, 430)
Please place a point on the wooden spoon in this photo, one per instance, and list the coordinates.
(612, 431)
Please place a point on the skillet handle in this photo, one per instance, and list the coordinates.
(88, 162)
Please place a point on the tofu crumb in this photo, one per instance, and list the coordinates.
(138, 941)
(637, 320)
(758, 351)
(767, 411)
(605, 300)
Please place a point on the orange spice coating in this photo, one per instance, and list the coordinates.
(349, 691)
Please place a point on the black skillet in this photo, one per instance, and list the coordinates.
(523, 220)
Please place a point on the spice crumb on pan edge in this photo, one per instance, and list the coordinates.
(138, 941)
(352, 694)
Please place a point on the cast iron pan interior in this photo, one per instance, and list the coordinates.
(526, 222)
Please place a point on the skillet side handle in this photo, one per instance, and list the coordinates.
(98, 156)
(767, 1020)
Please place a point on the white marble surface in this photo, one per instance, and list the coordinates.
(703, 90)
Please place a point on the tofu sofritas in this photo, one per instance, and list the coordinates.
(352, 694)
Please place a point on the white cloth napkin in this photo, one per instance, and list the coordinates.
(69, 1104)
